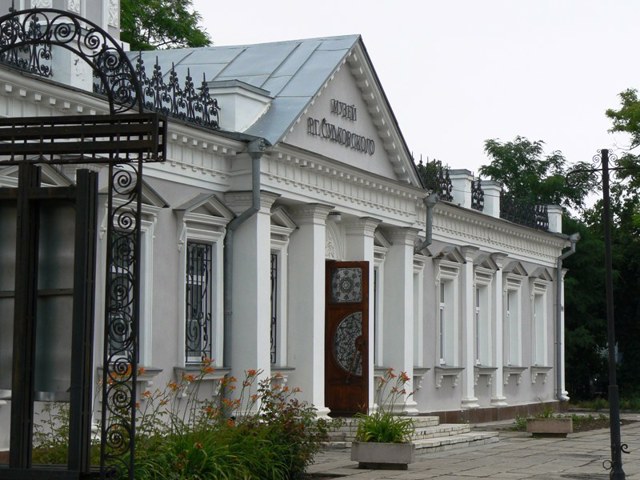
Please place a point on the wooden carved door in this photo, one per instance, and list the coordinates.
(346, 337)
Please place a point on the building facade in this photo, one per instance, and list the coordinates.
(295, 237)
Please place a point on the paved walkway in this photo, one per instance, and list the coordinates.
(516, 456)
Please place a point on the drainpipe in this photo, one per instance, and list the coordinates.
(255, 150)
(574, 238)
(429, 202)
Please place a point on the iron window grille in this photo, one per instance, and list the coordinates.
(199, 302)
(274, 308)
(120, 319)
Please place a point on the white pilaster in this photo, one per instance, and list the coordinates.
(498, 399)
(561, 367)
(469, 399)
(251, 283)
(398, 306)
(307, 302)
(360, 246)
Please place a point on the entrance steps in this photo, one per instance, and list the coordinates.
(429, 435)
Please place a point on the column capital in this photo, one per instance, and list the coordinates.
(403, 235)
(363, 226)
(499, 259)
(238, 202)
(310, 213)
(469, 253)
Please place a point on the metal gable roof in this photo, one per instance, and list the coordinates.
(291, 71)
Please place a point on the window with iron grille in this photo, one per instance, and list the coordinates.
(198, 304)
(121, 293)
(274, 308)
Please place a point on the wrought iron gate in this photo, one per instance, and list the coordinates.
(124, 141)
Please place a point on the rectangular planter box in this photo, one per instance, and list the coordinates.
(550, 427)
(390, 456)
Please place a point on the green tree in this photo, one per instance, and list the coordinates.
(627, 117)
(158, 24)
(625, 200)
(531, 176)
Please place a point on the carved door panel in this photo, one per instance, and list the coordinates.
(346, 337)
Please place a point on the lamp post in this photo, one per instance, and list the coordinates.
(617, 448)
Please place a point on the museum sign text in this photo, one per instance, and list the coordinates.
(325, 129)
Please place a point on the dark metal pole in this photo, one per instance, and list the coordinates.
(614, 401)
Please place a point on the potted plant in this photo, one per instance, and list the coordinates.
(383, 438)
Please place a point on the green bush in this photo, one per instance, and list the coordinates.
(264, 433)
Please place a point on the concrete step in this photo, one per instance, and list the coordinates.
(442, 443)
(442, 430)
(429, 435)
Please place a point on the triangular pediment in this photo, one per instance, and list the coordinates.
(541, 273)
(484, 260)
(281, 222)
(379, 240)
(50, 176)
(205, 208)
(450, 253)
(515, 268)
(350, 120)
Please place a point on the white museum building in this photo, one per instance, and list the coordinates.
(293, 234)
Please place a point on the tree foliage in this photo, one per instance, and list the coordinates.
(158, 24)
(531, 176)
(627, 117)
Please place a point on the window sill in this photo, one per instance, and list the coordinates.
(418, 377)
(213, 378)
(446, 371)
(196, 370)
(146, 374)
(537, 370)
(509, 370)
(4, 396)
(484, 371)
(280, 375)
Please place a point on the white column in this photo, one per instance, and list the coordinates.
(307, 302)
(561, 367)
(251, 283)
(360, 246)
(469, 399)
(398, 306)
(497, 398)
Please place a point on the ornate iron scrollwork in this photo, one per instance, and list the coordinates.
(477, 195)
(198, 302)
(435, 177)
(27, 38)
(27, 41)
(121, 319)
(184, 102)
(527, 214)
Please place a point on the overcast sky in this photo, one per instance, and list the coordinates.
(458, 72)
